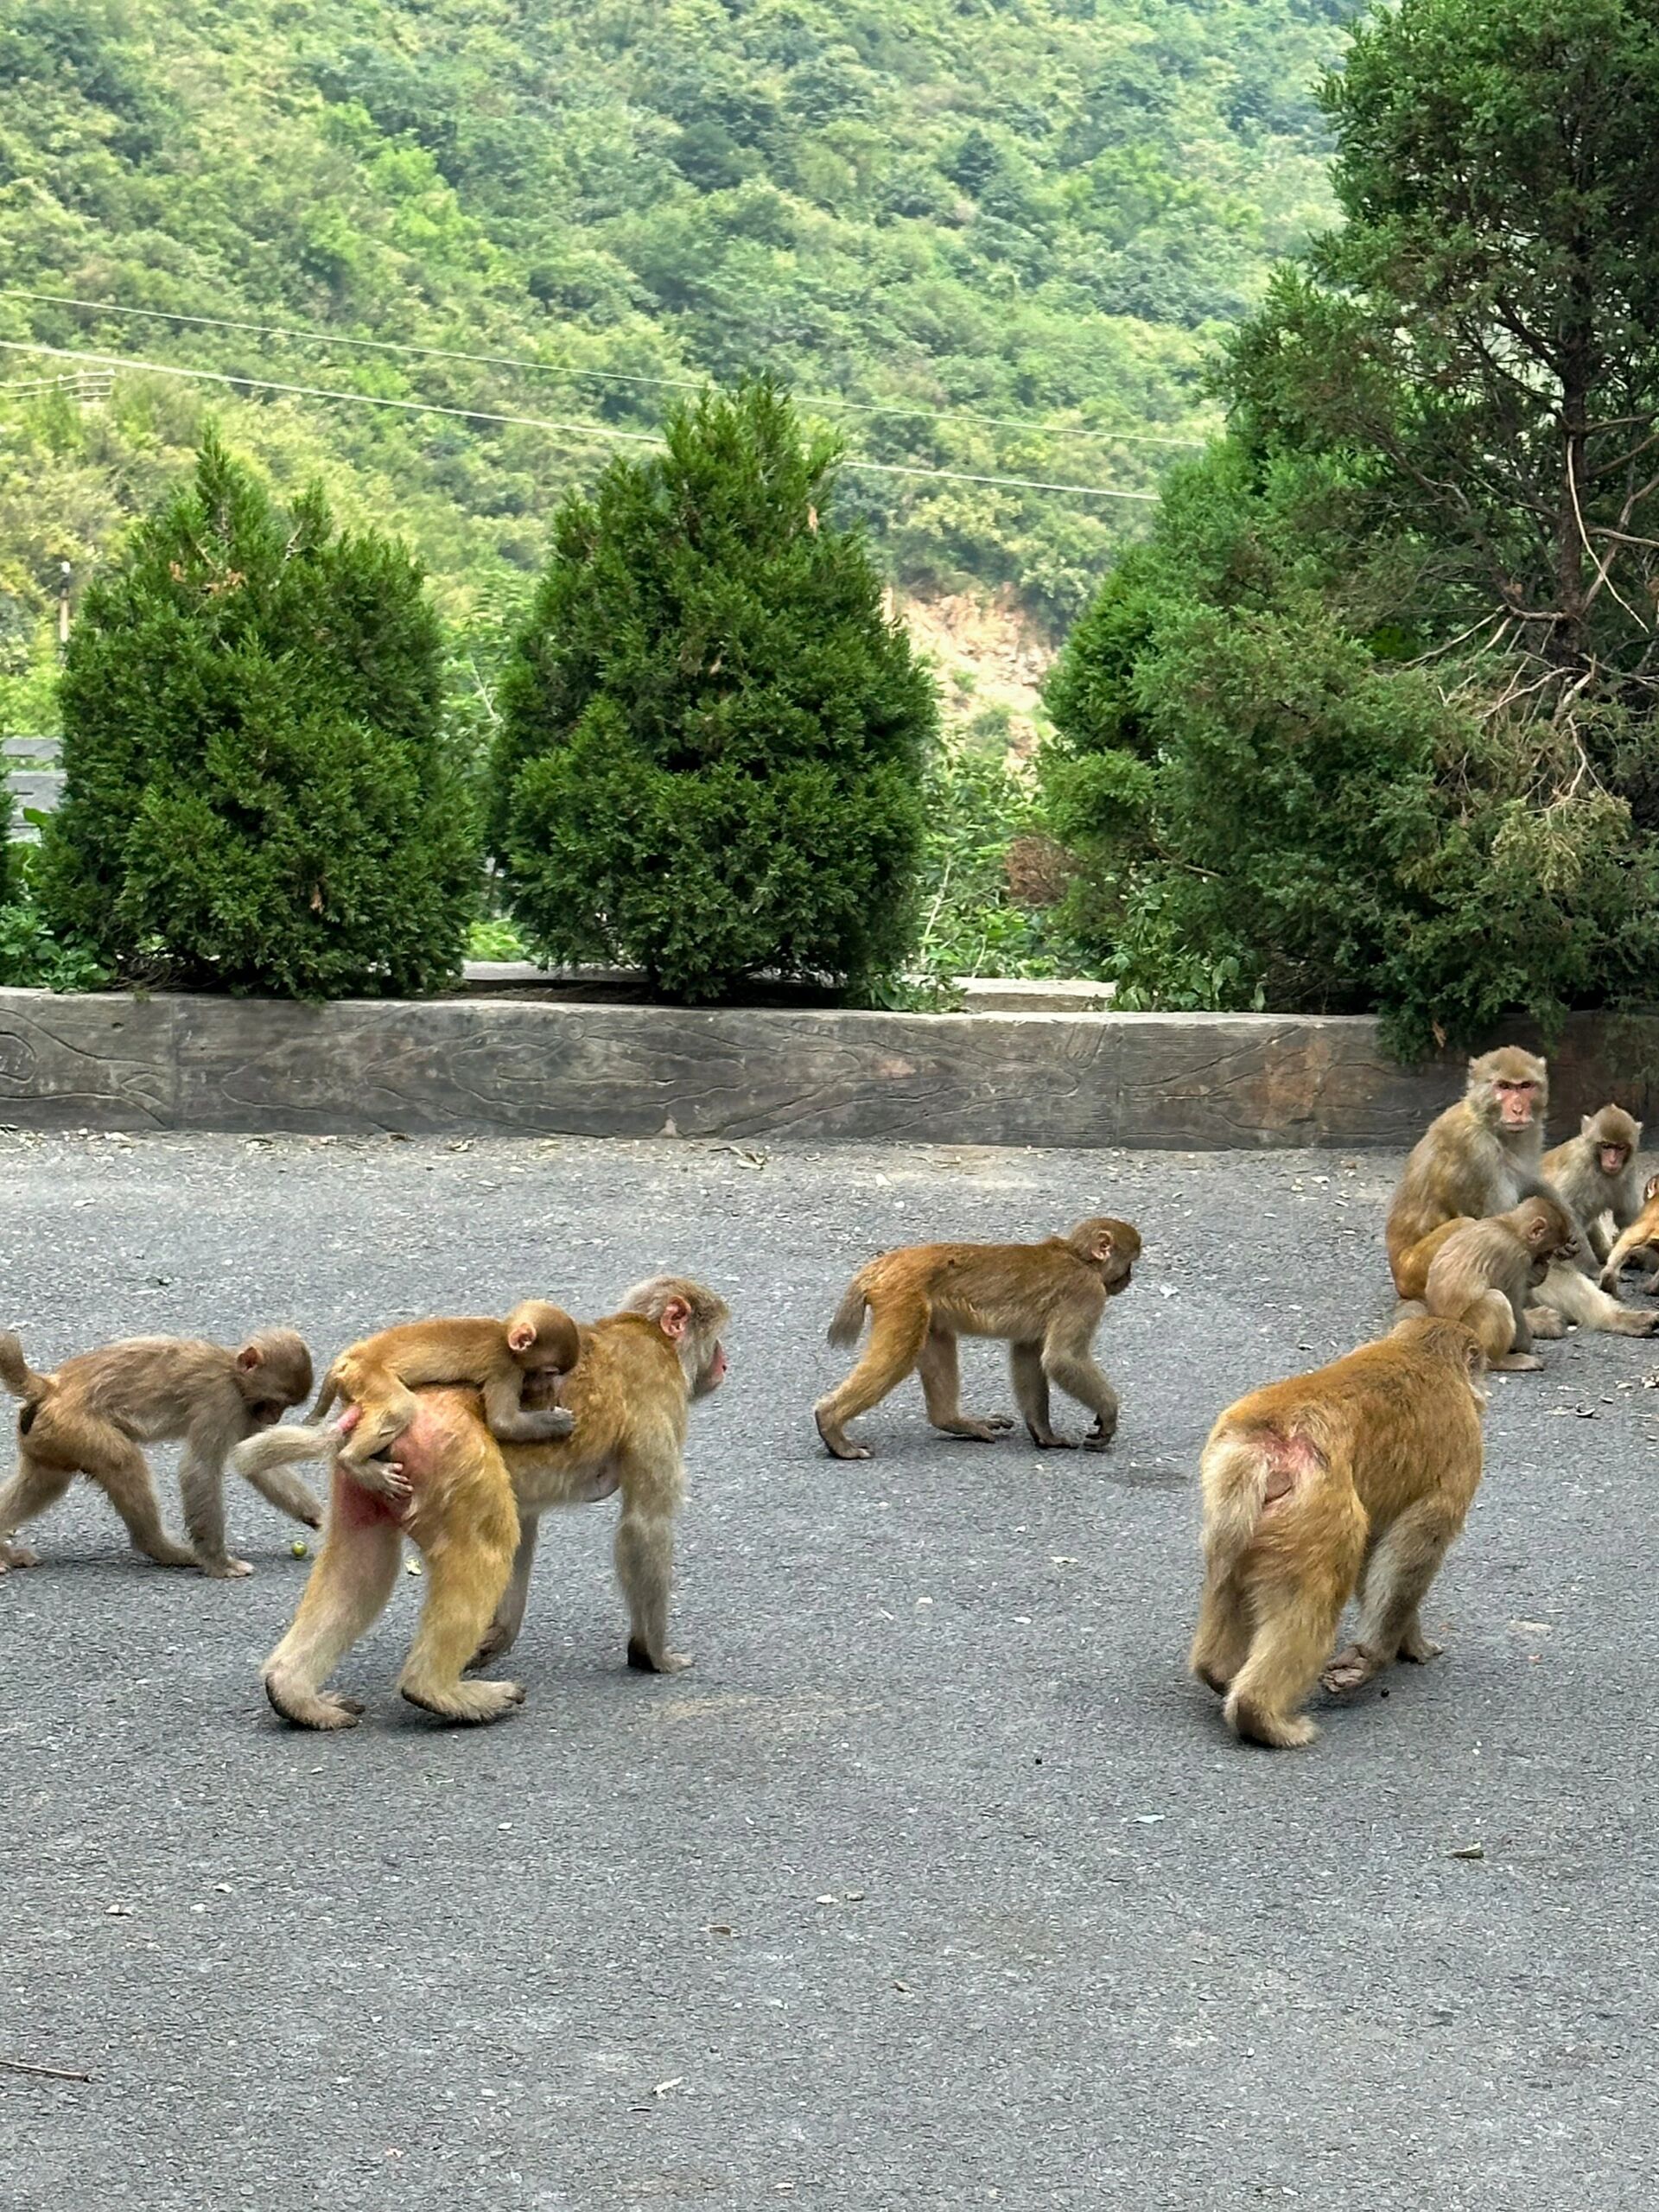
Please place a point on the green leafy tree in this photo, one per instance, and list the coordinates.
(711, 753)
(1368, 722)
(259, 793)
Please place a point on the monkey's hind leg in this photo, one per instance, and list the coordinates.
(1578, 1299)
(466, 1576)
(1291, 1644)
(897, 1335)
(1222, 1642)
(31, 1489)
(942, 1393)
(349, 1589)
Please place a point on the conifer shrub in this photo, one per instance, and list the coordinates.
(713, 737)
(259, 793)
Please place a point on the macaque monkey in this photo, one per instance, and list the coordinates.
(1483, 1156)
(1597, 1174)
(1357, 1476)
(473, 1508)
(1482, 1273)
(91, 1415)
(1045, 1300)
(498, 1357)
(1639, 1240)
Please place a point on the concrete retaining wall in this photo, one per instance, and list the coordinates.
(1196, 1082)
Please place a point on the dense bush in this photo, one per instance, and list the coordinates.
(711, 753)
(259, 793)
(1369, 721)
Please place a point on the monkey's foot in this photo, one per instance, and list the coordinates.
(1049, 1440)
(1418, 1647)
(1254, 1723)
(1351, 1669)
(472, 1704)
(1544, 1321)
(166, 1553)
(312, 1708)
(977, 1432)
(226, 1570)
(644, 1662)
(1099, 1439)
(1518, 1363)
(836, 1445)
(17, 1555)
(1212, 1678)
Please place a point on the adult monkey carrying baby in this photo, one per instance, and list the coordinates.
(1481, 1157)
(474, 1506)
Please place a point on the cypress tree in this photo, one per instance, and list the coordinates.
(712, 736)
(259, 794)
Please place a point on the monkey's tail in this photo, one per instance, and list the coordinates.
(325, 1397)
(18, 1374)
(844, 1330)
(284, 1447)
(1245, 1473)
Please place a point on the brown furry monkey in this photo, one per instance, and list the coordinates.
(1598, 1175)
(1483, 1274)
(1357, 1475)
(379, 1375)
(1639, 1241)
(474, 1505)
(91, 1415)
(1045, 1300)
(1483, 1156)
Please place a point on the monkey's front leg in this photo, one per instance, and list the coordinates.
(519, 1427)
(201, 1485)
(1071, 1370)
(644, 1567)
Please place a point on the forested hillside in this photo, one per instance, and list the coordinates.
(998, 239)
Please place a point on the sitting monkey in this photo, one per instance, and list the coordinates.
(534, 1349)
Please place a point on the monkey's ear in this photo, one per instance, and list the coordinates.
(1474, 1358)
(1586, 1125)
(1651, 1192)
(521, 1335)
(1104, 1246)
(249, 1358)
(672, 1319)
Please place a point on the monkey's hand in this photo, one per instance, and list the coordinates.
(539, 1426)
(1099, 1437)
(382, 1478)
(17, 1555)
(644, 1660)
(226, 1569)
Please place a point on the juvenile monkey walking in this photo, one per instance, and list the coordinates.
(536, 1346)
(91, 1415)
(1357, 1475)
(1045, 1300)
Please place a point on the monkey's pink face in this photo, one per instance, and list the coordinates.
(1612, 1158)
(1516, 1101)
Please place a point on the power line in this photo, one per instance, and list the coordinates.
(582, 430)
(310, 336)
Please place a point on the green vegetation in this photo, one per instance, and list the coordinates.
(947, 211)
(711, 750)
(259, 794)
(1367, 722)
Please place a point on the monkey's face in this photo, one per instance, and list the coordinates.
(265, 1413)
(1612, 1159)
(1508, 1089)
(711, 1373)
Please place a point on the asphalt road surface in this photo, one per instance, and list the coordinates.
(935, 1882)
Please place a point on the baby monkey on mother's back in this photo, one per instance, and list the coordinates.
(1045, 1301)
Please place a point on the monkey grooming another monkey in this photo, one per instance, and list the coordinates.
(1639, 1240)
(1357, 1475)
(474, 1505)
(1045, 1300)
(1597, 1174)
(91, 1415)
(1481, 1275)
(1483, 1156)
(536, 1342)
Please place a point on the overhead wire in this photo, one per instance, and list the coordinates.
(581, 431)
(312, 336)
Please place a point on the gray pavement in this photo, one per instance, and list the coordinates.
(935, 1882)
